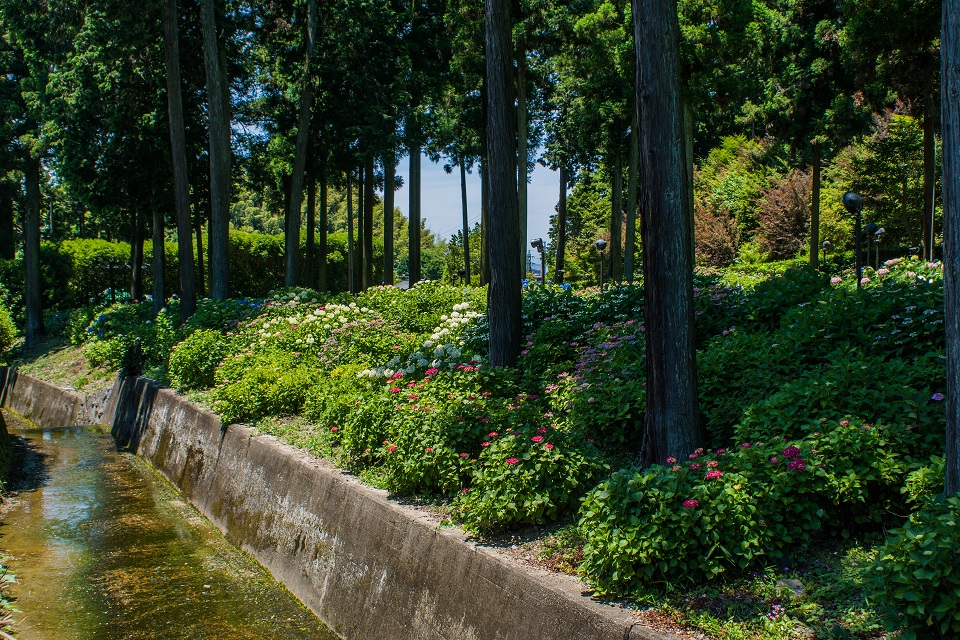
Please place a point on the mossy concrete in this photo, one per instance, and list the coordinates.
(369, 567)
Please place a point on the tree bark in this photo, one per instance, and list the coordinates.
(561, 225)
(815, 207)
(351, 265)
(505, 265)
(8, 248)
(218, 110)
(178, 147)
(672, 412)
(413, 226)
(322, 283)
(159, 260)
(311, 228)
(466, 222)
(950, 127)
(368, 224)
(630, 245)
(929, 179)
(389, 186)
(136, 256)
(484, 224)
(615, 269)
(31, 254)
(201, 272)
(522, 147)
(358, 272)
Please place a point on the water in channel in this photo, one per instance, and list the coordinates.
(105, 549)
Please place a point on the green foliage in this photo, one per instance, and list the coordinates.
(916, 578)
(193, 362)
(8, 330)
(250, 387)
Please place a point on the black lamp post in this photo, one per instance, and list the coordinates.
(877, 237)
(870, 230)
(854, 204)
(824, 248)
(601, 246)
(538, 245)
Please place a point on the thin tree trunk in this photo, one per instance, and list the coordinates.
(950, 126)
(466, 222)
(561, 224)
(218, 110)
(389, 185)
(359, 276)
(505, 266)
(484, 224)
(615, 269)
(178, 146)
(351, 272)
(8, 248)
(201, 272)
(815, 207)
(159, 259)
(905, 217)
(31, 254)
(311, 228)
(630, 246)
(688, 187)
(413, 226)
(322, 283)
(929, 180)
(522, 145)
(292, 230)
(136, 256)
(368, 225)
(671, 389)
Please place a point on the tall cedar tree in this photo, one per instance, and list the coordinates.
(504, 235)
(31, 252)
(178, 146)
(218, 110)
(671, 416)
(950, 118)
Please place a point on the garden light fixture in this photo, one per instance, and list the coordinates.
(601, 246)
(854, 204)
(538, 245)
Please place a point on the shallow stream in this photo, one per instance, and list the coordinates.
(105, 549)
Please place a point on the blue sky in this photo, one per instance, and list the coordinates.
(440, 198)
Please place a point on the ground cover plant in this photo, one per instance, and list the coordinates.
(821, 404)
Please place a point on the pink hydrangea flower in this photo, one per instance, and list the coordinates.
(693, 456)
(464, 455)
(548, 446)
(690, 504)
(676, 468)
(465, 490)
(671, 460)
(713, 475)
(937, 397)
(882, 272)
(431, 371)
(864, 280)
(537, 439)
(791, 452)
(835, 280)
(392, 448)
(745, 445)
(512, 461)
(429, 449)
(774, 460)
(720, 452)
(334, 429)
(395, 390)
(713, 464)
(542, 430)
(493, 434)
(484, 444)
(797, 465)
(844, 423)
(695, 466)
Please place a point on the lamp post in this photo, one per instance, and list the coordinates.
(538, 245)
(824, 247)
(601, 246)
(877, 237)
(854, 204)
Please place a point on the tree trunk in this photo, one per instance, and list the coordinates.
(351, 265)
(688, 187)
(292, 230)
(413, 226)
(31, 254)
(466, 222)
(950, 126)
(815, 207)
(368, 224)
(218, 111)
(322, 283)
(311, 228)
(178, 147)
(672, 412)
(615, 268)
(505, 266)
(358, 272)
(159, 259)
(8, 248)
(201, 272)
(522, 145)
(389, 186)
(561, 224)
(929, 180)
(484, 224)
(136, 256)
(631, 241)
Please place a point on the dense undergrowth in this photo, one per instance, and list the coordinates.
(821, 407)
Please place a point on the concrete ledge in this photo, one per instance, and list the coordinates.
(370, 568)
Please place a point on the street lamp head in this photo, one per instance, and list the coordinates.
(601, 245)
(537, 244)
(853, 202)
(879, 232)
(826, 245)
(870, 229)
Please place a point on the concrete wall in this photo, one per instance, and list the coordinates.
(370, 568)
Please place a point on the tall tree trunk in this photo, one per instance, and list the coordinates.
(201, 272)
(522, 146)
(630, 246)
(815, 207)
(561, 224)
(136, 256)
(929, 177)
(950, 126)
(413, 225)
(292, 230)
(368, 224)
(311, 228)
(389, 185)
(8, 248)
(218, 111)
(31, 254)
(672, 412)
(178, 147)
(359, 268)
(484, 224)
(466, 222)
(159, 260)
(615, 268)
(322, 283)
(505, 266)
(351, 265)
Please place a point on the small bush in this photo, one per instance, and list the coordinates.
(8, 330)
(265, 384)
(194, 361)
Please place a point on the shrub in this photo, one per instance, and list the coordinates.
(250, 387)
(194, 361)
(8, 331)
(917, 576)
